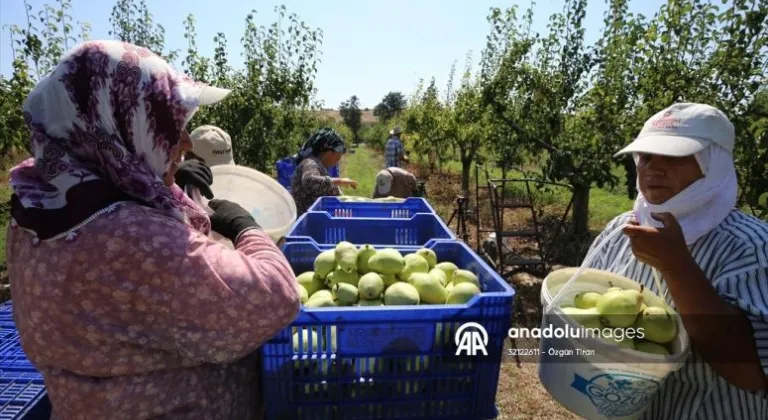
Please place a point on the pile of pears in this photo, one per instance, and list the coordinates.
(366, 276)
(357, 199)
(625, 308)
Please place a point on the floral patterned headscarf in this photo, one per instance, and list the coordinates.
(110, 112)
(323, 140)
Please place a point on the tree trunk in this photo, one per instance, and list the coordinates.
(466, 167)
(631, 179)
(432, 162)
(580, 216)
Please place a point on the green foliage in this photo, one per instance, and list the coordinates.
(268, 115)
(36, 47)
(549, 99)
(376, 135)
(133, 23)
(392, 105)
(575, 105)
(350, 113)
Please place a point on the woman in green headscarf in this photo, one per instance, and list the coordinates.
(310, 181)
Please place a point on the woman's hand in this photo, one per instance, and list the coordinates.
(230, 219)
(345, 182)
(662, 248)
(196, 174)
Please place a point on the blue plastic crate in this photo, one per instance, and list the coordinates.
(405, 210)
(22, 391)
(360, 366)
(323, 229)
(23, 396)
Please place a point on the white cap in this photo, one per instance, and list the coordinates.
(211, 95)
(383, 182)
(395, 131)
(683, 129)
(213, 145)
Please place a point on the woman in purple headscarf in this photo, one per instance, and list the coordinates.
(122, 302)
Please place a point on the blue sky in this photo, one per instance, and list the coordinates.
(369, 47)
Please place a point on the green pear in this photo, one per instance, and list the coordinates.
(346, 256)
(462, 293)
(303, 294)
(321, 294)
(401, 293)
(584, 300)
(364, 255)
(320, 302)
(303, 343)
(626, 342)
(465, 276)
(448, 288)
(428, 255)
(649, 347)
(440, 275)
(311, 282)
(389, 279)
(342, 276)
(371, 286)
(414, 263)
(429, 288)
(345, 294)
(366, 302)
(619, 308)
(588, 318)
(325, 263)
(448, 268)
(658, 325)
(386, 261)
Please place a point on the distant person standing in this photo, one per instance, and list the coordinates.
(394, 150)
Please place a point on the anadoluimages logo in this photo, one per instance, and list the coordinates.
(470, 341)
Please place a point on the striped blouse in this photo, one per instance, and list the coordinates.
(734, 256)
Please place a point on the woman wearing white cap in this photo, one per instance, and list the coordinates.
(122, 301)
(712, 260)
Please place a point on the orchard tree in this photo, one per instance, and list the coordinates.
(36, 47)
(392, 105)
(351, 115)
(426, 121)
(538, 94)
(133, 23)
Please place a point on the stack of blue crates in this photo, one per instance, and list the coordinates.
(22, 391)
(385, 362)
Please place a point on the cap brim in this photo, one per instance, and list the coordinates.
(211, 95)
(676, 146)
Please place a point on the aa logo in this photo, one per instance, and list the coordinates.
(471, 338)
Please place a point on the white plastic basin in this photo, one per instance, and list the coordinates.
(270, 204)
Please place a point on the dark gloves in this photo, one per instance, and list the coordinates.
(197, 174)
(230, 219)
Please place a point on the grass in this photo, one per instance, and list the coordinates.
(361, 165)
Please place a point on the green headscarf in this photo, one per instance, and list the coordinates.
(324, 139)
